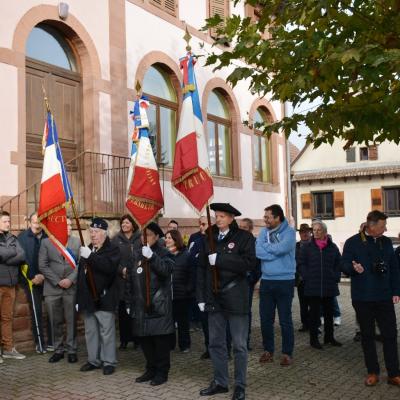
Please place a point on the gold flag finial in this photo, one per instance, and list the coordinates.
(138, 88)
(46, 100)
(187, 38)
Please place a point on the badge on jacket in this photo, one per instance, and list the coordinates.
(231, 245)
(139, 270)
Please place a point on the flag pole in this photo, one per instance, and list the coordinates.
(89, 272)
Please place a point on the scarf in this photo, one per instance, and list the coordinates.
(322, 243)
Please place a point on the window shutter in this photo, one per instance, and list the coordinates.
(218, 7)
(376, 199)
(373, 152)
(305, 205)
(351, 154)
(167, 5)
(338, 201)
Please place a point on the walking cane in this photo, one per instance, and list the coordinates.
(24, 271)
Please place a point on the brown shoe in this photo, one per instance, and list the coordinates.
(286, 360)
(372, 380)
(394, 381)
(266, 357)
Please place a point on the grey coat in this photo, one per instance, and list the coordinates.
(54, 267)
(12, 256)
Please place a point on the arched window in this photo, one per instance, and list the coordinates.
(219, 134)
(162, 113)
(261, 148)
(46, 44)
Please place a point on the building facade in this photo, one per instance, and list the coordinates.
(87, 56)
(342, 186)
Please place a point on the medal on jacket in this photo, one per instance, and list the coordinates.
(231, 245)
(139, 270)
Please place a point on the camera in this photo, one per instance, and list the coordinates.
(379, 267)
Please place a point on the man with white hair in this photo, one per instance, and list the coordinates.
(101, 258)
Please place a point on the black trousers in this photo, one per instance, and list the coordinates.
(37, 292)
(304, 306)
(315, 304)
(156, 350)
(125, 324)
(384, 314)
(204, 326)
(180, 308)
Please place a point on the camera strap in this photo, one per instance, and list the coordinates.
(378, 242)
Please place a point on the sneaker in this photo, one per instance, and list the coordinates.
(50, 348)
(43, 351)
(322, 321)
(13, 354)
(337, 321)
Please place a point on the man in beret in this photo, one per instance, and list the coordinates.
(305, 235)
(102, 258)
(229, 257)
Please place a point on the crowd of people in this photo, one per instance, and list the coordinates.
(155, 285)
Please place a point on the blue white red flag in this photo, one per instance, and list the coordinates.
(144, 199)
(55, 192)
(191, 175)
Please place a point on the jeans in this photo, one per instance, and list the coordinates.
(180, 309)
(304, 306)
(278, 295)
(384, 314)
(7, 300)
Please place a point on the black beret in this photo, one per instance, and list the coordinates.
(152, 226)
(225, 207)
(99, 223)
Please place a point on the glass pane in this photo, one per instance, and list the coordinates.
(224, 151)
(266, 171)
(157, 83)
(168, 135)
(328, 204)
(216, 105)
(257, 160)
(152, 116)
(211, 146)
(318, 204)
(46, 44)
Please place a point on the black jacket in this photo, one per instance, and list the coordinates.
(104, 265)
(31, 245)
(235, 258)
(182, 275)
(158, 320)
(370, 286)
(11, 257)
(320, 269)
(127, 247)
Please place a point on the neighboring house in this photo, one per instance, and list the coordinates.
(342, 186)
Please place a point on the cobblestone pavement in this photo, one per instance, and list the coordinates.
(334, 373)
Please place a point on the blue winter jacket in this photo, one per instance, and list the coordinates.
(276, 249)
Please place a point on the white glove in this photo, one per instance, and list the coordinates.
(212, 258)
(128, 310)
(202, 306)
(85, 252)
(146, 251)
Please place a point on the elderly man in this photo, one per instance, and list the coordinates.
(59, 293)
(30, 240)
(11, 257)
(275, 247)
(101, 259)
(369, 259)
(223, 291)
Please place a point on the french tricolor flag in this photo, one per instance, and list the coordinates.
(55, 192)
(191, 175)
(145, 198)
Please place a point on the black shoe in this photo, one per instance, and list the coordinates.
(214, 388)
(249, 348)
(205, 355)
(316, 344)
(72, 358)
(239, 393)
(56, 357)
(136, 346)
(303, 328)
(333, 342)
(147, 376)
(158, 380)
(123, 345)
(108, 370)
(88, 367)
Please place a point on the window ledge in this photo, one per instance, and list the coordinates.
(266, 187)
(227, 182)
